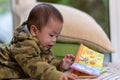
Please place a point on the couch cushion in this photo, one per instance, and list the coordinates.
(79, 27)
(61, 49)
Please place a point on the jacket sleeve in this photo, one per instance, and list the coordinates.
(26, 54)
(54, 61)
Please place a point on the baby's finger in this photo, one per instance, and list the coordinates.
(71, 77)
(74, 75)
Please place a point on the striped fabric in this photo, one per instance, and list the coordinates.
(113, 72)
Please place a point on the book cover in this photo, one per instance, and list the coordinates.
(88, 61)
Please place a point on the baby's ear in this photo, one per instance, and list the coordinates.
(33, 30)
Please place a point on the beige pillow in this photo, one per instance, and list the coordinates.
(80, 27)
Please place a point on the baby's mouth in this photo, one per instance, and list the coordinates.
(49, 46)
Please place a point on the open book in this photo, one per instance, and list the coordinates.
(88, 61)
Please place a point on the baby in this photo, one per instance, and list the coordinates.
(29, 54)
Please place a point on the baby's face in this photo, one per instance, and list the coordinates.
(47, 36)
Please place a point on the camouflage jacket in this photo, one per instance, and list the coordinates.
(24, 58)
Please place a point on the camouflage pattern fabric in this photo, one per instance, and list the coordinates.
(24, 58)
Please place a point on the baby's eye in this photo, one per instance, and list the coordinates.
(51, 35)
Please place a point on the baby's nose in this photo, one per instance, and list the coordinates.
(54, 39)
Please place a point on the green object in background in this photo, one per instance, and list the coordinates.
(61, 49)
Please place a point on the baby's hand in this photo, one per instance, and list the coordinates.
(68, 76)
(67, 61)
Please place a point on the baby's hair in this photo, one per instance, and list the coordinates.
(40, 15)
